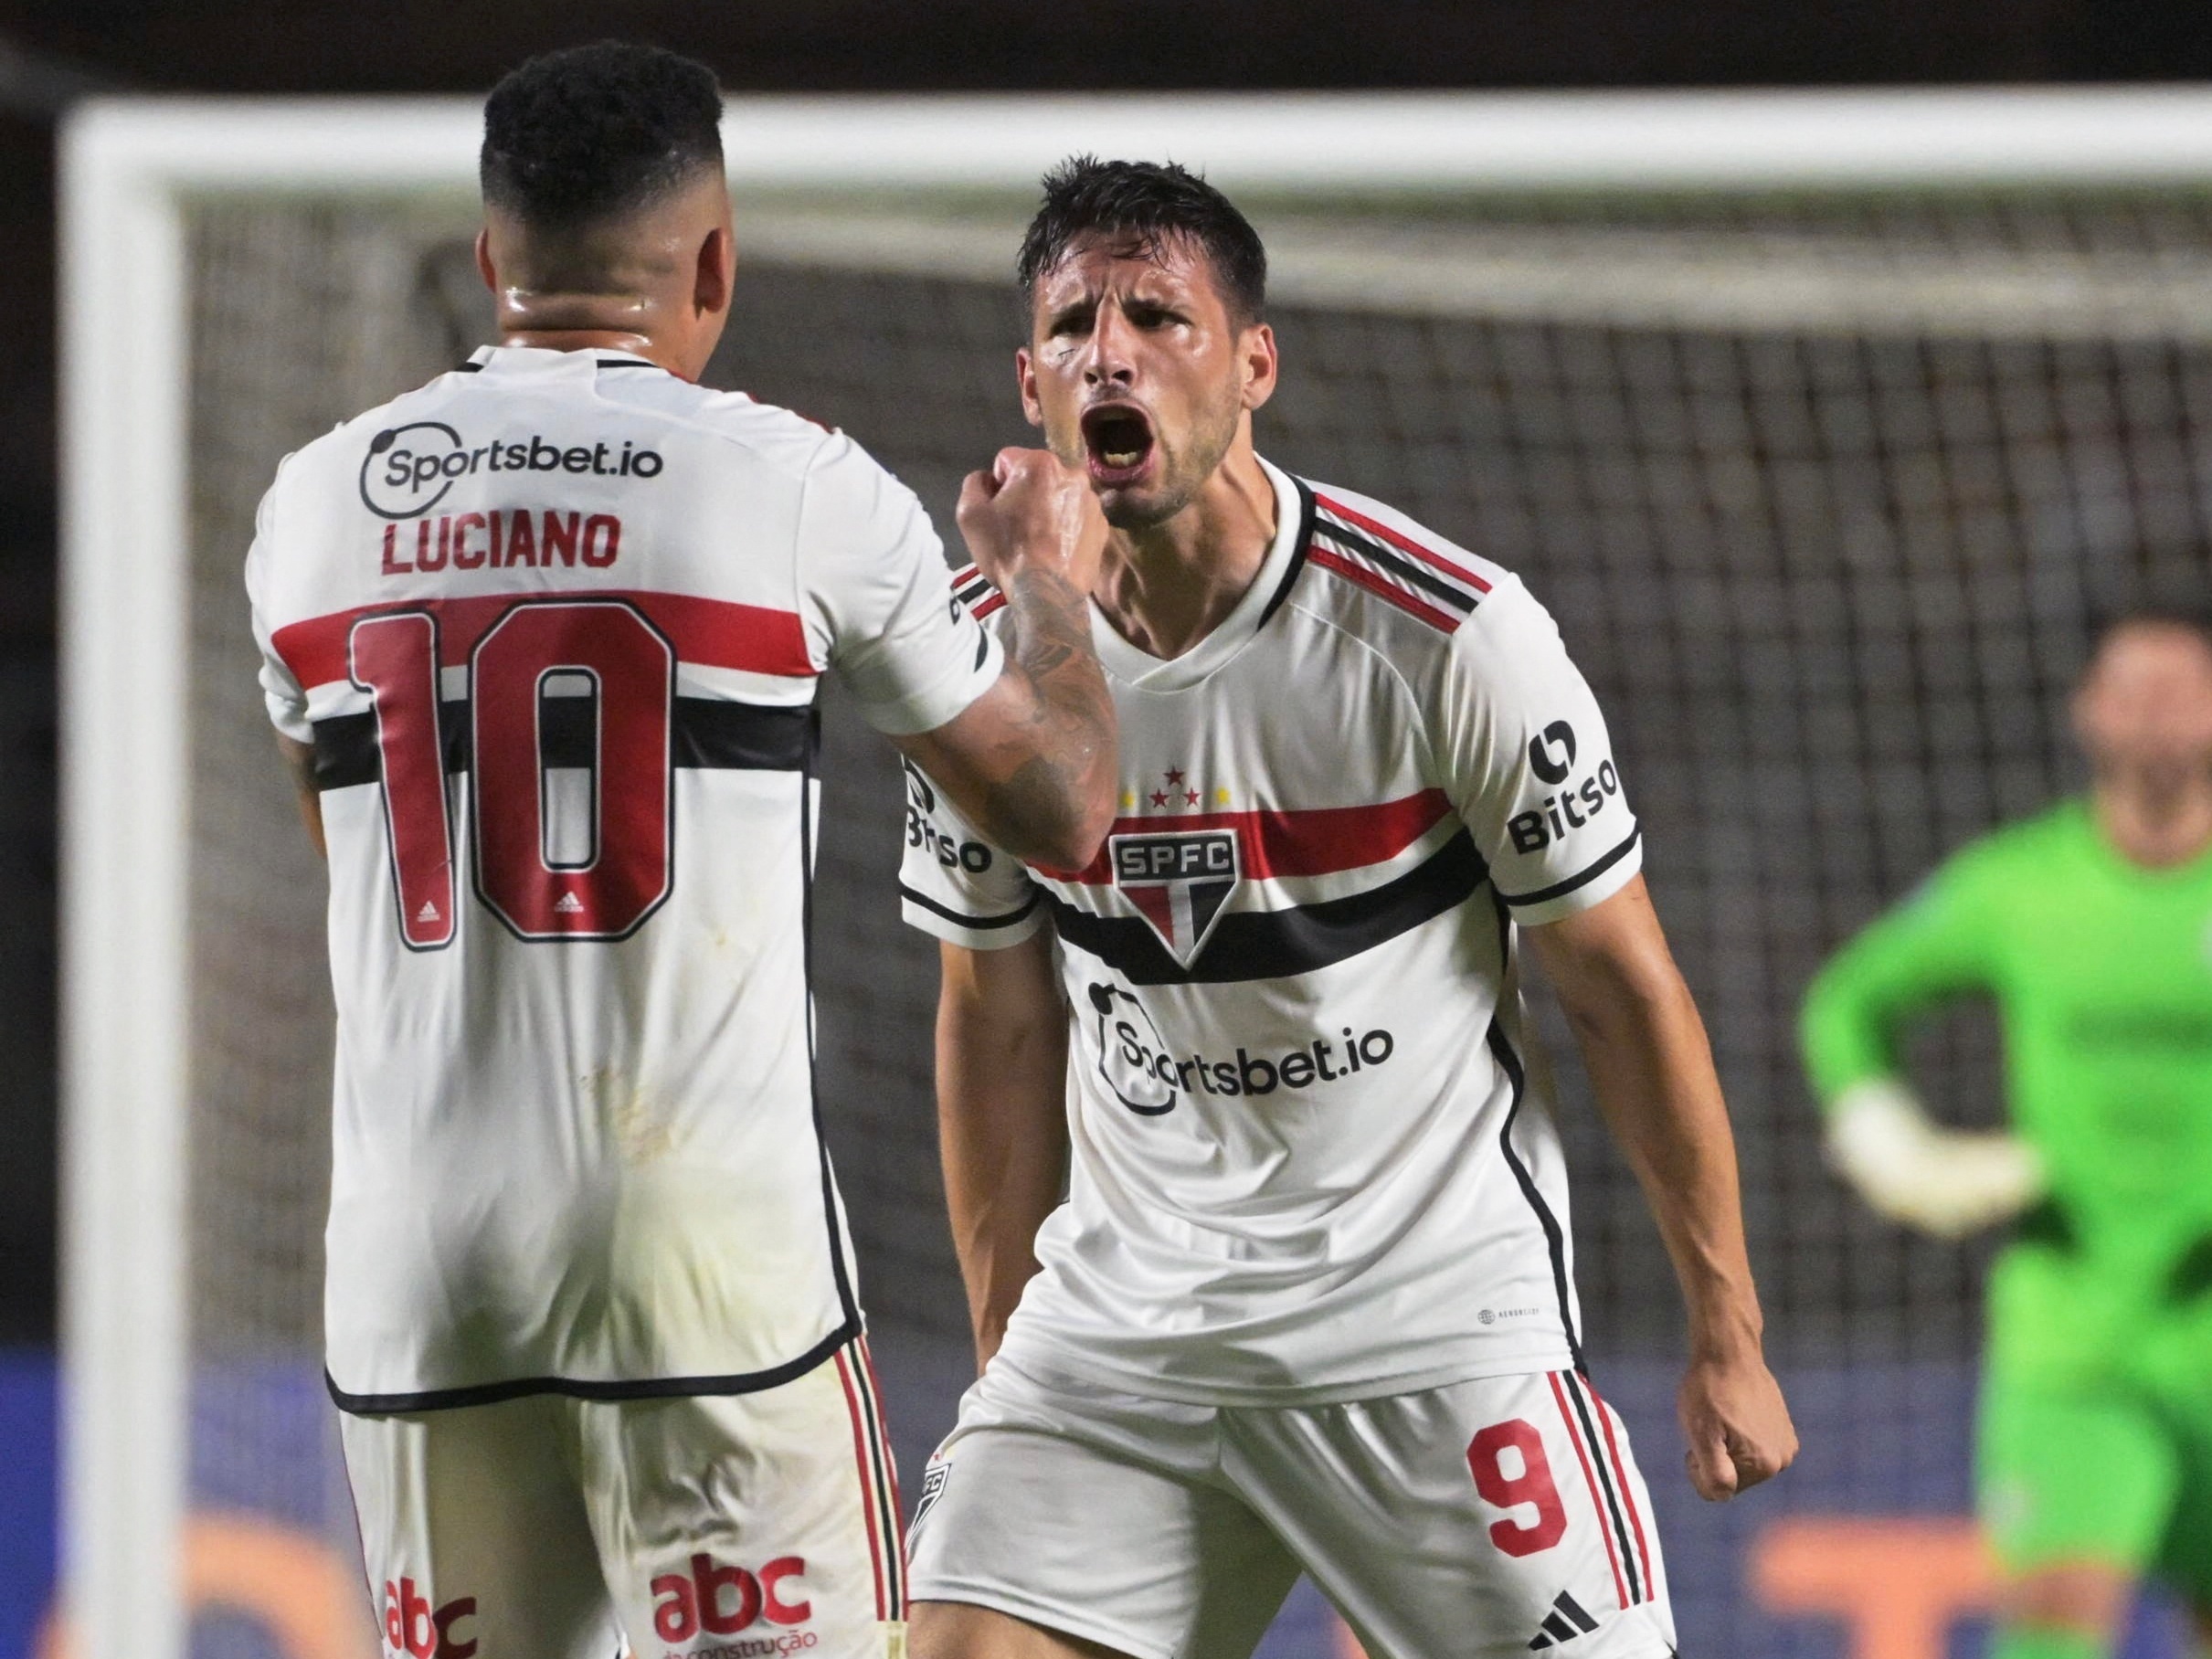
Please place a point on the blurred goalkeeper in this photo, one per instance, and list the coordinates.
(2091, 928)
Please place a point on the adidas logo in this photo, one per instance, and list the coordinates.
(428, 912)
(1565, 1621)
(568, 905)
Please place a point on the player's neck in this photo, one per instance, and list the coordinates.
(1166, 587)
(2155, 823)
(635, 319)
(633, 341)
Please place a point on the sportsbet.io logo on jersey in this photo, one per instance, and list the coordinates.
(409, 470)
(1144, 1074)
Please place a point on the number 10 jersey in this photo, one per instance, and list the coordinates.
(553, 626)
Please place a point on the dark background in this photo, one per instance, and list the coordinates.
(51, 53)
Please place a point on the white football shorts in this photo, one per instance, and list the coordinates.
(697, 1527)
(1478, 1520)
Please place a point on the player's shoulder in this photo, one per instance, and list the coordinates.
(1383, 575)
(626, 389)
(780, 438)
(2036, 854)
(353, 445)
(2034, 847)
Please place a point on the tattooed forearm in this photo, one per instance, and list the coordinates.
(1066, 732)
(1032, 765)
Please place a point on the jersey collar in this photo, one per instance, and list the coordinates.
(505, 360)
(1285, 556)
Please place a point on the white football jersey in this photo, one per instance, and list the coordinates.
(1313, 1158)
(552, 625)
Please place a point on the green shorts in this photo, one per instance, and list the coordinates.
(2096, 1429)
(2111, 1479)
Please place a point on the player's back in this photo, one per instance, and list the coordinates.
(553, 626)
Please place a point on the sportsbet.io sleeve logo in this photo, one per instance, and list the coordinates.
(409, 470)
(1179, 882)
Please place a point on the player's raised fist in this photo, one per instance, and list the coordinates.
(1031, 512)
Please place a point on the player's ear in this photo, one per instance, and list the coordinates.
(1025, 376)
(716, 267)
(1256, 345)
(483, 259)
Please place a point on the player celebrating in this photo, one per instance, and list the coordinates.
(2091, 926)
(543, 638)
(1309, 1302)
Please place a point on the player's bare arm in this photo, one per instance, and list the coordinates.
(300, 760)
(1033, 762)
(1001, 1118)
(1652, 1069)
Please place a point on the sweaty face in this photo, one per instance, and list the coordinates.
(1138, 374)
(2146, 701)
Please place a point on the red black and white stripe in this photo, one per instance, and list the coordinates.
(1424, 580)
(973, 589)
(879, 1480)
(1590, 1427)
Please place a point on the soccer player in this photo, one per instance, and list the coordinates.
(542, 637)
(2091, 925)
(1308, 1302)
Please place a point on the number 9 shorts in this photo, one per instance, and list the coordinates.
(1482, 1519)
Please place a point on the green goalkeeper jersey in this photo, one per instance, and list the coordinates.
(2102, 973)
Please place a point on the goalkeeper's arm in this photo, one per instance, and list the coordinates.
(1949, 1182)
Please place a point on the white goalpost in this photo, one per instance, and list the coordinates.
(1519, 290)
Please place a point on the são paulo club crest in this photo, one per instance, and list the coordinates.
(1180, 880)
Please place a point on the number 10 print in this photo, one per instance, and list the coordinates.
(570, 711)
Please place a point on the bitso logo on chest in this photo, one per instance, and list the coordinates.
(1180, 882)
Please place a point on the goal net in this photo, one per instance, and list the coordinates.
(1823, 481)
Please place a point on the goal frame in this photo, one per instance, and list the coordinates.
(129, 169)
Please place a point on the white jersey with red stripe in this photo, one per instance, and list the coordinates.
(552, 625)
(1313, 1157)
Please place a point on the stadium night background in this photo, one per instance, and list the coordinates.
(1823, 483)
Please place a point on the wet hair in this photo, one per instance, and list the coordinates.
(1147, 204)
(597, 131)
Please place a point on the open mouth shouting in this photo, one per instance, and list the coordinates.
(1117, 443)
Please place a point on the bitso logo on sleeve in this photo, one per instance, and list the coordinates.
(1179, 880)
(1559, 735)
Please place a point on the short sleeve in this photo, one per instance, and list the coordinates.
(1530, 763)
(880, 608)
(955, 884)
(279, 688)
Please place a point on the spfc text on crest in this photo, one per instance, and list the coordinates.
(1179, 880)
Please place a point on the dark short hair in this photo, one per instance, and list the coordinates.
(596, 131)
(1147, 203)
